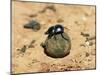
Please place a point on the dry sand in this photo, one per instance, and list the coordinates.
(77, 18)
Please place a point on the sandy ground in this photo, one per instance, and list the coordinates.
(77, 18)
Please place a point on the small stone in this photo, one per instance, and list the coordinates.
(91, 43)
(33, 25)
(32, 15)
(87, 54)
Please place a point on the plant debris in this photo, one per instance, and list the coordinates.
(31, 44)
(34, 61)
(85, 34)
(90, 38)
(23, 49)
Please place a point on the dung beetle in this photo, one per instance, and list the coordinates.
(58, 43)
(53, 30)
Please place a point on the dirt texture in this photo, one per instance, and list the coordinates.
(79, 23)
